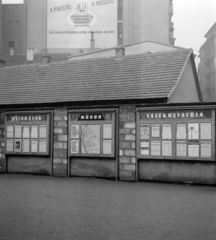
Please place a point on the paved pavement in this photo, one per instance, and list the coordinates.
(37, 207)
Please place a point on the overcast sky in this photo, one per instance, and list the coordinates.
(192, 19)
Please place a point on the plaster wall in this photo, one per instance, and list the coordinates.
(186, 90)
(146, 20)
(14, 28)
(177, 171)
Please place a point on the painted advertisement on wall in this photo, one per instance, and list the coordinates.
(70, 23)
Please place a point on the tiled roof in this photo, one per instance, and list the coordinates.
(140, 76)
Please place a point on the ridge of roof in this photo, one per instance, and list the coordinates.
(126, 45)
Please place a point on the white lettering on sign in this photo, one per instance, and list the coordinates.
(26, 118)
(175, 115)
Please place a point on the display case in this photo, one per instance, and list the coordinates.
(181, 134)
(92, 133)
(27, 133)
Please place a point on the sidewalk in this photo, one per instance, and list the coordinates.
(38, 207)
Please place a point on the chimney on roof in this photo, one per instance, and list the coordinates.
(11, 48)
(2, 62)
(30, 54)
(120, 52)
(44, 50)
(92, 42)
(46, 59)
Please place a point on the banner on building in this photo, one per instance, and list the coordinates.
(70, 23)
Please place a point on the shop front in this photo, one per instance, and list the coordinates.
(92, 143)
(28, 138)
(176, 144)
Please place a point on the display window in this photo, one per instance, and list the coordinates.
(92, 134)
(178, 134)
(27, 133)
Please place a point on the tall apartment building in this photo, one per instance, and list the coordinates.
(66, 26)
(207, 66)
(0, 26)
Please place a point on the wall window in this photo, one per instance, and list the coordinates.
(27, 133)
(182, 134)
(92, 134)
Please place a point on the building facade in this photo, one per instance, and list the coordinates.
(207, 66)
(58, 27)
(122, 117)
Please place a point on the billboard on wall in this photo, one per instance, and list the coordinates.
(70, 23)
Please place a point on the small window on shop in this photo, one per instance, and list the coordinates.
(27, 133)
(182, 134)
(92, 134)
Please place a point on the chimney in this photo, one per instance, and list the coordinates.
(11, 51)
(92, 42)
(2, 62)
(30, 54)
(120, 52)
(44, 50)
(11, 48)
(46, 59)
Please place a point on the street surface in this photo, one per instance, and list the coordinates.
(48, 208)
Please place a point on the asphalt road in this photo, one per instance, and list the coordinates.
(37, 207)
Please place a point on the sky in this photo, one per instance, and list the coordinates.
(192, 20)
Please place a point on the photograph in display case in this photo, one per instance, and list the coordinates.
(17, 145)
(193, 131)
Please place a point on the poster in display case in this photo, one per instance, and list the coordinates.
(27, 133)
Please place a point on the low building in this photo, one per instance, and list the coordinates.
(126, 117)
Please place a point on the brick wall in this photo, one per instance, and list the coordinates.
(127, 143)
(60, 143)
(2, 143)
